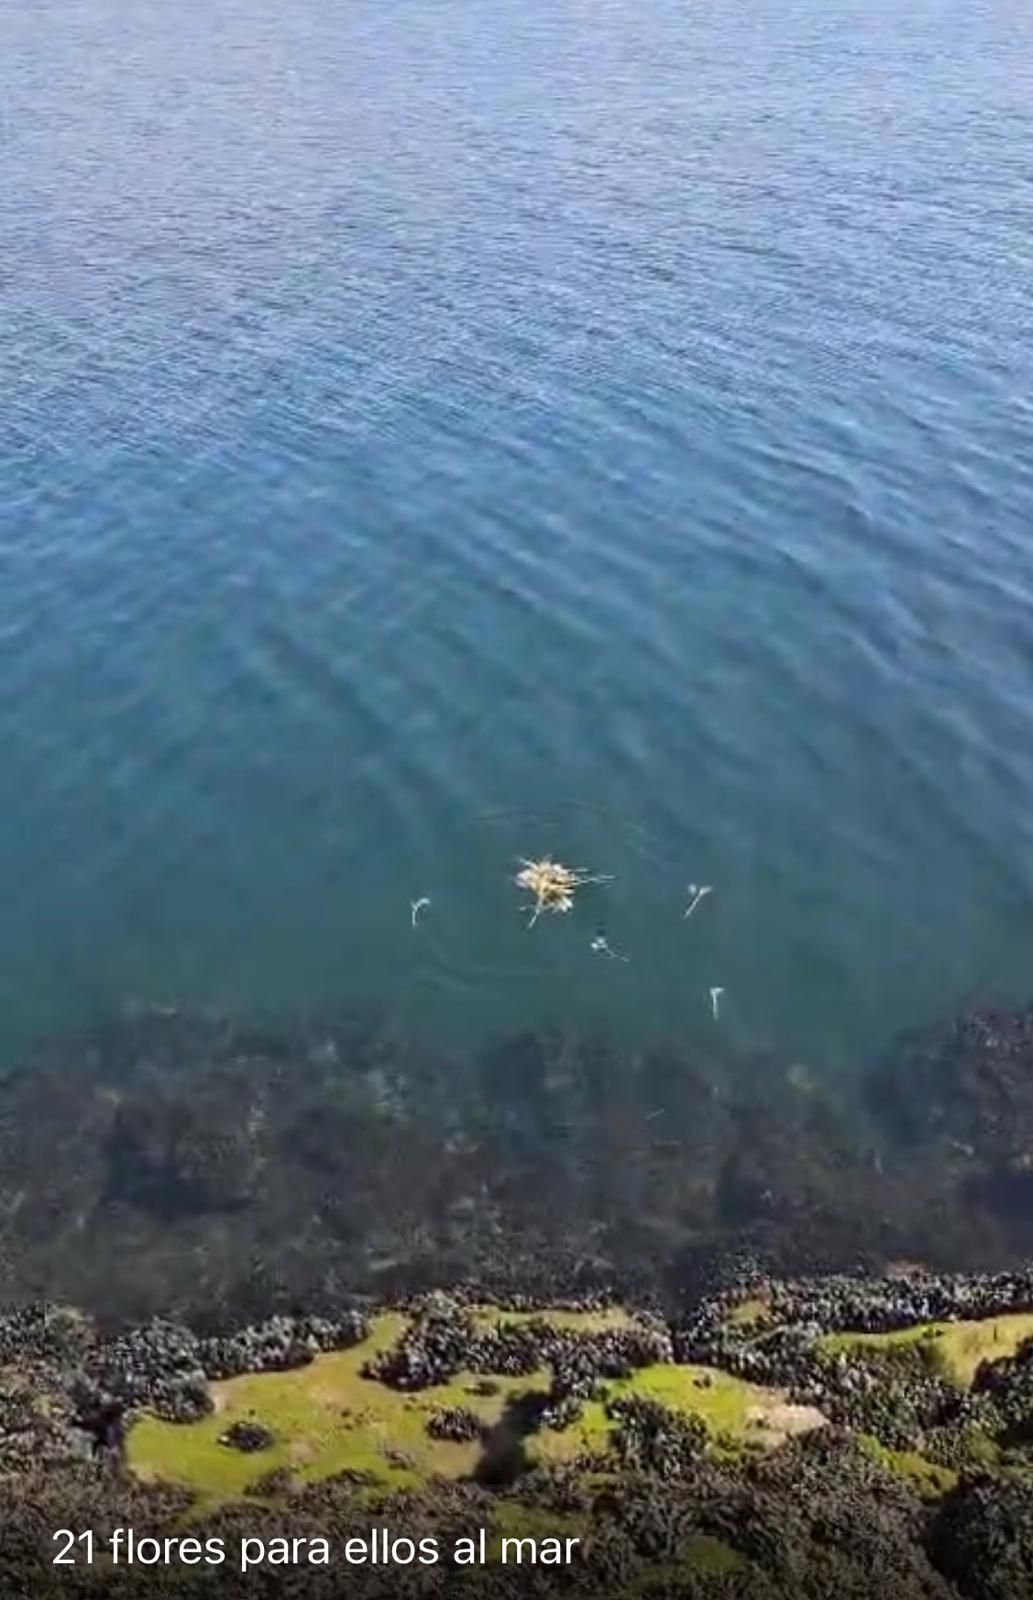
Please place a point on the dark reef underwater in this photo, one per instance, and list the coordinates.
(173, 1163)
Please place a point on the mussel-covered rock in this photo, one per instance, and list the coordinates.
(982, 1539)
(247, 1436)
(455, 1423)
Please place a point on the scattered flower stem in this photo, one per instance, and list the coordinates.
(416, 906)
(698, 891)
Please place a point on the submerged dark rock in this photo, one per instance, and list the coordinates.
(967, 1087)
(188, 1165)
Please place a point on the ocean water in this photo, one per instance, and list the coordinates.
(439, 433)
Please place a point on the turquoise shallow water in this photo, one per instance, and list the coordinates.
(434, 434)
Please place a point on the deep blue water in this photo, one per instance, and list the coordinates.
(437, 433)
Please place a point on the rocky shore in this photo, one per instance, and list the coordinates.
(910, 1476)
(740, 1338)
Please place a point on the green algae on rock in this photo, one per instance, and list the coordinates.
(957, 1349)
(331, 1417)
(671, 1473)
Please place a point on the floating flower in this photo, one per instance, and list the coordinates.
(552, 884)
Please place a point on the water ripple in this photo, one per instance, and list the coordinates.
(433, 437)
